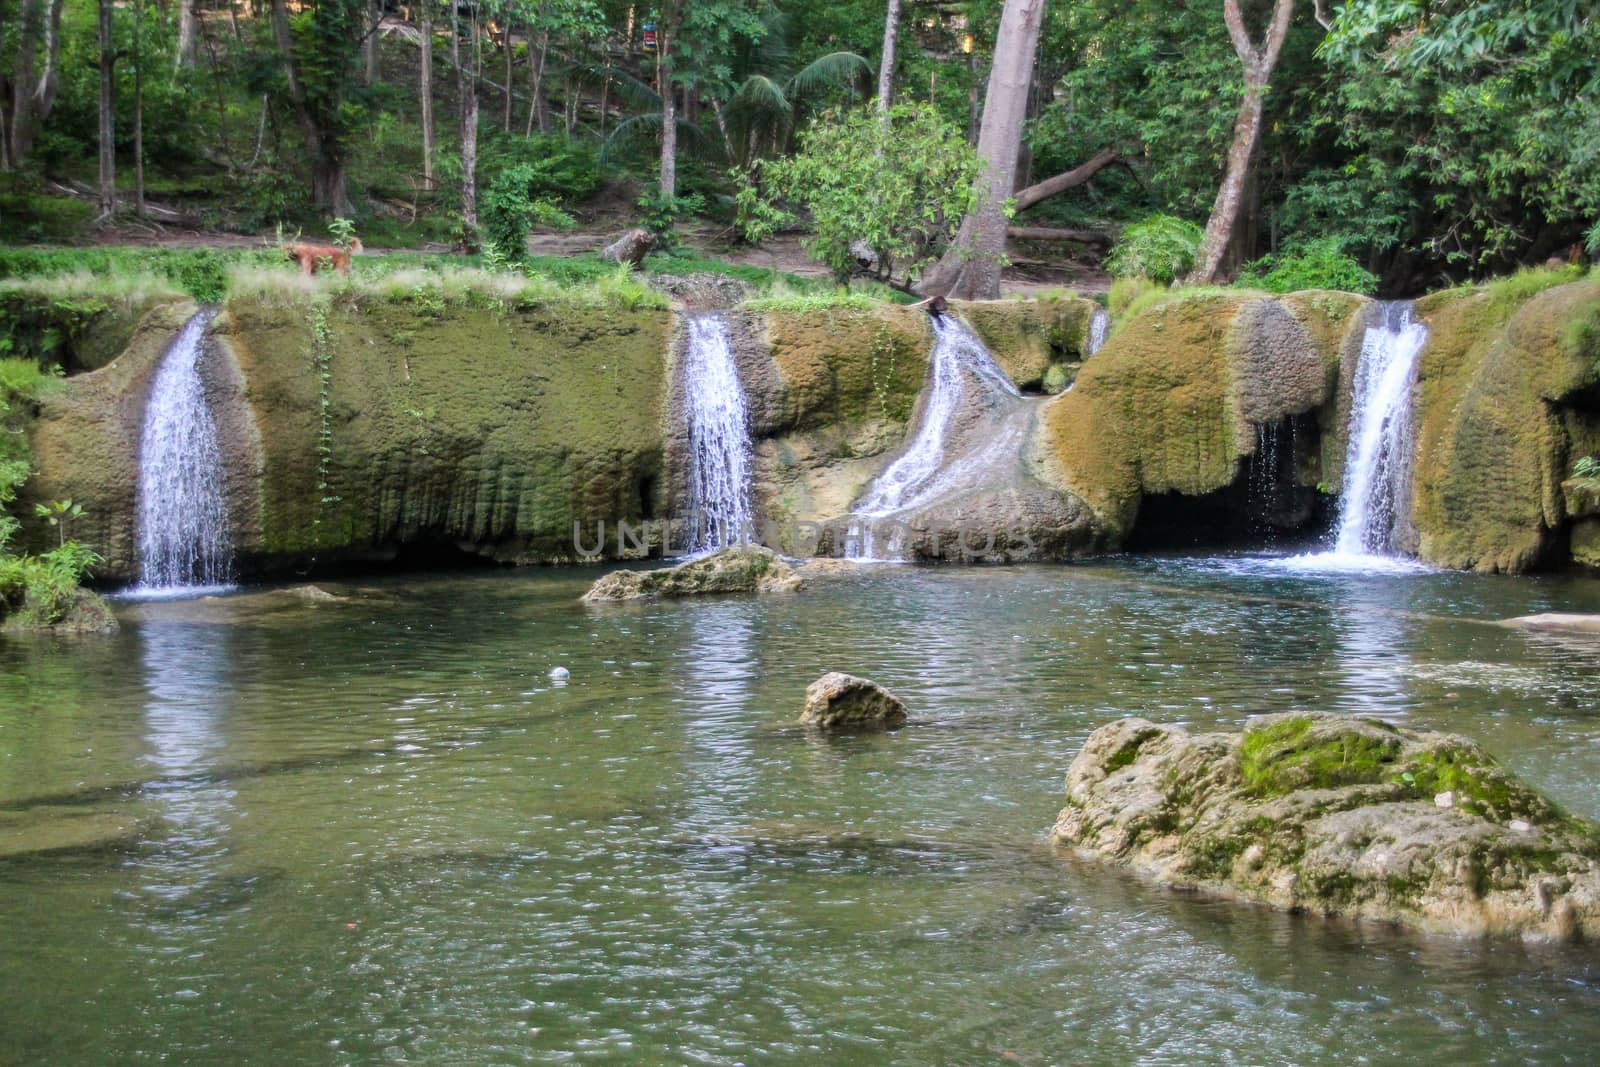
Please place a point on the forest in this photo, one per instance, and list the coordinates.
(1387, 146)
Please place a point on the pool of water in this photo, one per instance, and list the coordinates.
(376, 830)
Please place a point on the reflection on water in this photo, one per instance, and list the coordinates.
(376, 829)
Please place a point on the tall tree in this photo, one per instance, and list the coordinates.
(317, 90)
(33, 91)
(466, 118)
(188, 27)
(970, 268)
(425, 90)
(1259, 62)
(108, 143)
(666, 40)
(891, 34)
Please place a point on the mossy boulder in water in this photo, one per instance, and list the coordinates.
(741, 569)
(1337, 815)
(839, 701)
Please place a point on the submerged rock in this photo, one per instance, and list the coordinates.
(741, 569)
(1337, 815)
(839, 701)
(1564, 622)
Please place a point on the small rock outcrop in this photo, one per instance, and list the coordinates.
(1337, 815)
(839, 701)
(741, 569)
(630, 248)
(1559, 621)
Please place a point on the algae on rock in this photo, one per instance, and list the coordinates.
(1508, 396)
(1337, 815)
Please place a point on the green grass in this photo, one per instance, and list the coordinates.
(435, 287)
(1513, 290)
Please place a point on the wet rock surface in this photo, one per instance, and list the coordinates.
(839, 701)
(742, 569)
(1337, 815)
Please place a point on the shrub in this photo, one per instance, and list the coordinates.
(1161, 248)
(895, 190)
(1320, 264)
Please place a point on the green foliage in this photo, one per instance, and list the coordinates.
(661, 214)
(508, 211)
(343, 232)
(34, 590)
(58, 513)
(900, 189)
(1587, 470)
(1320, 264)
(562, 170)
(1161, 248)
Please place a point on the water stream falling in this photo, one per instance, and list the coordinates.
(183, 538)
(1099, 330)
(1377, 469)
(1376, 494)
(928, 469)
(719, 439)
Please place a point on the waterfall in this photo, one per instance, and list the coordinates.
(926, 469)
(719, 439)
(1099, 330)
(1377, 466)
(182, 515)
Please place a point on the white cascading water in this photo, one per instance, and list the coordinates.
(719, 439)
(1377, 474)
(184, 547)
(921, 474)
(1099, 330)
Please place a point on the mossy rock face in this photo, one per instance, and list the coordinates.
(84, 441)
(1504, 389)
(493, 430)
(1337, 815)
(741, 569)
(1169, 405)
(1030, 337)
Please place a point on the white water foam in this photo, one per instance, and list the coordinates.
(184, 546)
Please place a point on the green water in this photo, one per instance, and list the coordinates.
(374, 831)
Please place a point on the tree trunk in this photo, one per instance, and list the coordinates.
(891, 35)
(188, 23)
(108, 144)
(538, 106)
(138, 110)
(369, 45)
(970, 268)
(32, 98)
(467, 121)
(1259, 64)
(327, 165)
(425, 88)
(666, 38)
(505, 118)
(1079, 175)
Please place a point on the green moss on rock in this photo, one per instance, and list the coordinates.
(1491, 444)
(493, 429)
(1030, 338)
(1170, 404)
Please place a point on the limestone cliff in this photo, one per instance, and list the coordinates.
(1508, 398)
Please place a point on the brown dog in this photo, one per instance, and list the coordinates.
(313, 257)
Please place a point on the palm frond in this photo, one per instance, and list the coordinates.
(834, 70)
